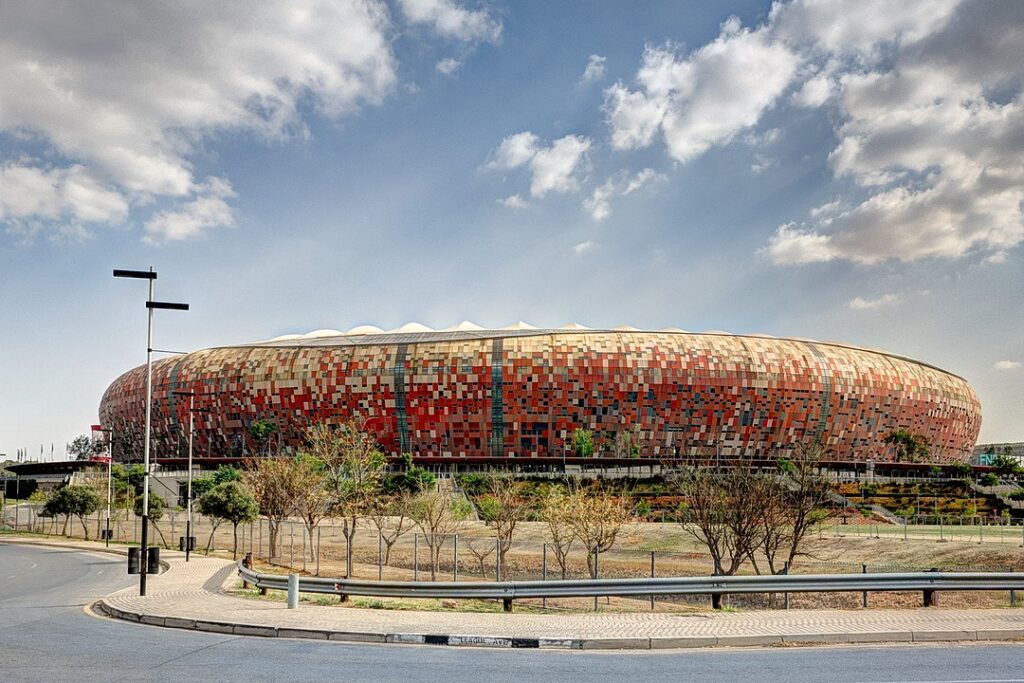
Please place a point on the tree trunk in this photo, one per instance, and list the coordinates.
(273, 527)
(234, 547)
(85, 528)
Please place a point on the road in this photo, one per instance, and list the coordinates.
(46, 634)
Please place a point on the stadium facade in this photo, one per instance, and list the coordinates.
(521, 392)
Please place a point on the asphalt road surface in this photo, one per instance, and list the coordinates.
(46, 634)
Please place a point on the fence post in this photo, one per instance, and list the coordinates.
(597, 573)
(544, 574)
(415, 557)
(380, 555)
(259, 546)
(652, 576)
(864, 595)
(293, 591)
(497, 559)
(303, 532)
(291, 545)
(318, 551)
(455, 559)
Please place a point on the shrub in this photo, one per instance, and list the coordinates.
(988, 479)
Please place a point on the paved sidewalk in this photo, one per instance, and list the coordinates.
(190, 596)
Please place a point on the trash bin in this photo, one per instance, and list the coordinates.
(153, 566)
(133, 560)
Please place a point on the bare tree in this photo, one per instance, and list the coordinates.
(355, 470)
(725, 510)
(503, 506)
(389, 514)
(557, 516)
(597, 517)
(481, 549)
(438, 515)
(794, 506)
(273, 484)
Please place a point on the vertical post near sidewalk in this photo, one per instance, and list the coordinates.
(151, 305)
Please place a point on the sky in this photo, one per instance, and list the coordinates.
(831, 170)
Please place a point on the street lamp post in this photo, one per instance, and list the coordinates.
(110, 461)
(151, 305)
(188, 493)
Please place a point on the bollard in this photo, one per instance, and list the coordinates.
(293, 591)
(247, 563)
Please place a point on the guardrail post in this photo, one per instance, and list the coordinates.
(652, 576)
(864, 595)
(247, 563)
(930, 599)
(506, 604)
(785, 596)
(293, 591)
(544, 574)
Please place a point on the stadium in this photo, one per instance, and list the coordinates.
(521, 393)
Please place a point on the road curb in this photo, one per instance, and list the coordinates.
(463, 640)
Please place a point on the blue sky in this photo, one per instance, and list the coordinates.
(810, 169)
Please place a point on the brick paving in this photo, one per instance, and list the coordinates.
(191, 595)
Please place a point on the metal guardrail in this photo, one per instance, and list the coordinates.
(928, 582)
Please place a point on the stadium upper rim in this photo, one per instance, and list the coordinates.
(417, 333)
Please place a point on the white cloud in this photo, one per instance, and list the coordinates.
(1007, 365)
(997, 257)
(594, 70)
(553, 168)
(599, 202)
(790, 245)
(815, 92)
(452, 21)
(583, 247)
(931, 126)
(448, 66)
(513, 201)
(120, 100)
(861, 304)
(207, 210)
(701, 99)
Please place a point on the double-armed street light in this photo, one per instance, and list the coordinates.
(151, 305)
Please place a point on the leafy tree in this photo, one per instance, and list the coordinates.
(557, 517)
(961, 470)
(313, 494)
(909, 447)
(438, 515)
(989, 479)
(355, 472)
(1007, 465)
(274, 487)
(82, 447)
(413, 480)
(231, 502)
(79, 501)
(583, 443)
(597, 517)
(157, 507)
(503, 507)
(221, 475)
(260, 431)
